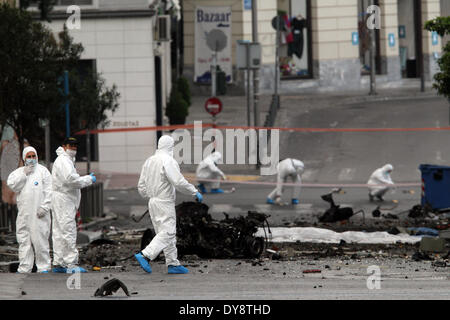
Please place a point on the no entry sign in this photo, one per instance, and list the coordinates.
(213, 106)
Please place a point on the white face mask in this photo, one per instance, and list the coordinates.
(71, 153)
(30, 162)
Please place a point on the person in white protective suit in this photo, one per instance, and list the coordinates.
(66, 198)
(379, 182)
(160, 177)
(207, 169)
(33, 185)
(287, 169)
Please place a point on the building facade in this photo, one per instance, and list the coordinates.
(325, 45)
(119, 42)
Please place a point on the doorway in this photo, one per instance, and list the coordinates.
(296, 35)
(410, 37)
(364, 39)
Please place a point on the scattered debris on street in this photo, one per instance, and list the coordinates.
(110, 287)
(199, 234)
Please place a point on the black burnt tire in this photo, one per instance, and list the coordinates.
(255, 246)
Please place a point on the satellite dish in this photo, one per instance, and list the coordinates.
(216, 40)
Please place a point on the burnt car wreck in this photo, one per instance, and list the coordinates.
(198, 233)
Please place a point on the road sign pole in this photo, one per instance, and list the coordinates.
(66, 93)
(248, 85)
(214, 74)
(373, 90)
(255, 71)
(277, 56)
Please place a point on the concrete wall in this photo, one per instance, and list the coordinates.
(390, 58)
(123, 50)
(430, 10)
(336, 59)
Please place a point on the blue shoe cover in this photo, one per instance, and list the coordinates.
(45, 271)
(217, 191)
(59, 270)
(76, 270)
(143, 262)
(177, 270)
(201, 188)
(270, 201)
(295, 201)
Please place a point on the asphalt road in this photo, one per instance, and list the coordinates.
(337, 158)
(352, 156)
(239, 280)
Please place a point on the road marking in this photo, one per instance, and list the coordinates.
(439, 156)
(346, 174)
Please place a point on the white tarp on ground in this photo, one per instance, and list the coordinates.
(316, 235)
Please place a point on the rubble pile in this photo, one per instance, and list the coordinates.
(198, 233)
(108, 256)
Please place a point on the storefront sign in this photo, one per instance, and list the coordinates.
(212, 34)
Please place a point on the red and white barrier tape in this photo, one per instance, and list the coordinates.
(313, 185)
(304, 130)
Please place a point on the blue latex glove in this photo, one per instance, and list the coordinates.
(199, 197)
(93, 177)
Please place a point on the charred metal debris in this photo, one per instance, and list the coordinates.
(198, 233)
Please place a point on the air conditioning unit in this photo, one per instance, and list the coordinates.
(163, 28)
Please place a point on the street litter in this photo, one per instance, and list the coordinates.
(390, 216)
(432, 244)
(109, 287)
(199, 234)
(335, 213)
(419, 256)
(439, 264)
(317, 235)
(312, 271)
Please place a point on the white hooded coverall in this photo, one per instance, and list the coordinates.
(66, 198)
(33, 194)
(288, 168)
(207, 169)
(382, 178)
(160, 177)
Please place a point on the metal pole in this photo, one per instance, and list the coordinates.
(277, 59)
(248, 85)
(66, 92)
(88, 150)
(373, 44)
(419, 29)
(256, 114)
(213, 74)
(255, 71)
(47, 144)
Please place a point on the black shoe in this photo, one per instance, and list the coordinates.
(380, 198)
